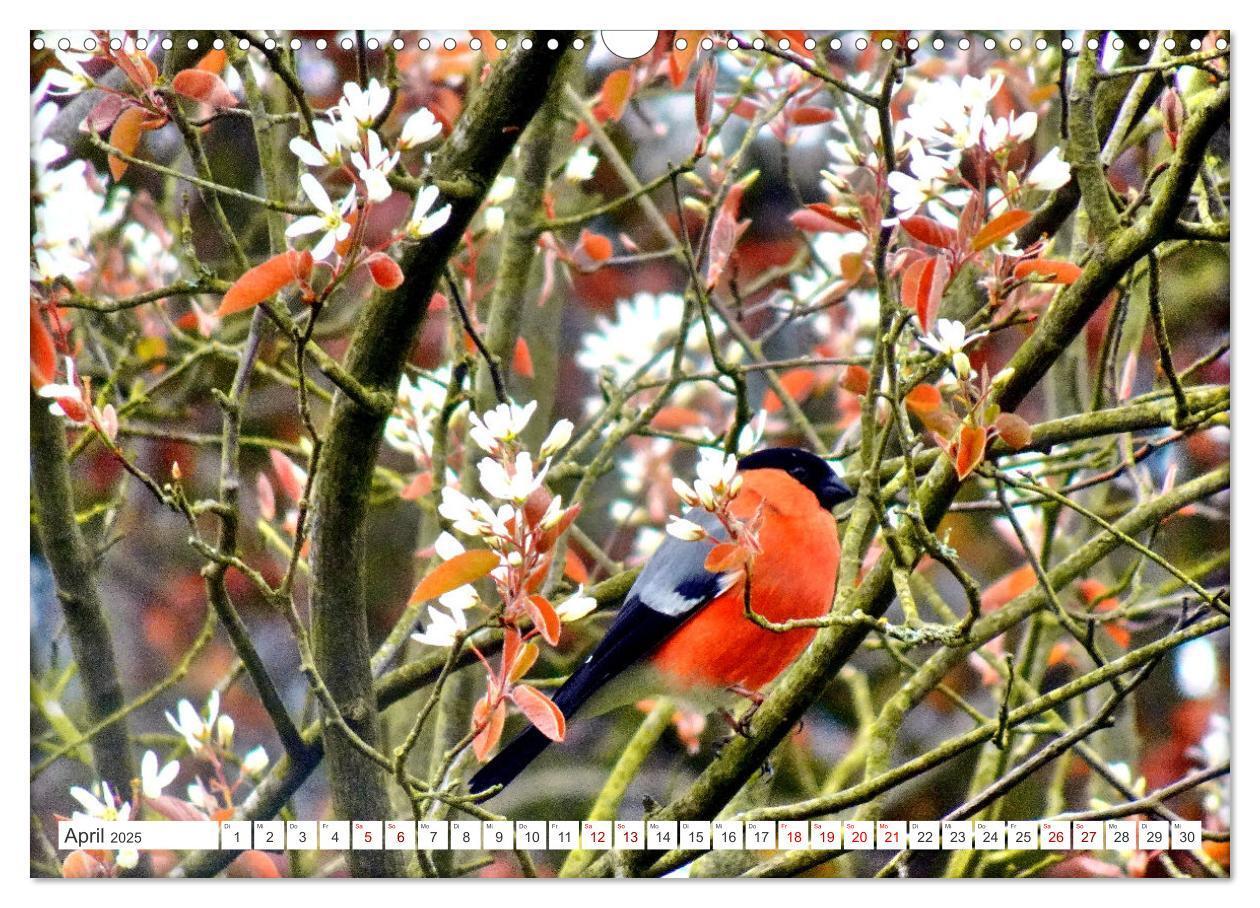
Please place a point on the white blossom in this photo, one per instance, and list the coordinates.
(328, 151)
(153, 779)
(442, 628)
(577, 606)
(104, 808)
(556, 439)
(951, 339)
(195, 727)
(581, 165)
(504, 423)
(360, 105)
(750, 435)
(255, 761)
(685, 530)
(1051, 171)
(929, 177)
(424, 222)
(514, 484)
(375, 167)
(331, 220)
(419, 129)
(1010, 129)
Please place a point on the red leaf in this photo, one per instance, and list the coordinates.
(795, 39)
(421, 484)
(727, 229)
(811, 116)
(124, 137)
(523, 662)
(265, 280)
(1007, 587)
(820, 218)
(926, 230)
(706, 79)
(1003, 225)
(1013, 430)
(538, 709)
(203, 85)
(254, 865)
(1048, 271)
(79, 865)
(43, 351)
(921, 289)
(544, 616)
(465, 567)
(680, 59)
(597, 247)
(969, 450)
(856, 380)
(288, 474)
(614, 94)
(213, 62)
(923, 399)
(796, 382)
(491, 724)
(522, 360)
(574, 567)
(385, 271)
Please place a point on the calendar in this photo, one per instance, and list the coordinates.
(622, 453)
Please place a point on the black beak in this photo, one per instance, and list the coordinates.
(832, 492)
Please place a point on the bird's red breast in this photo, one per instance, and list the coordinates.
(793, 577)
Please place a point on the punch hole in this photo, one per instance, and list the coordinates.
(627, 44)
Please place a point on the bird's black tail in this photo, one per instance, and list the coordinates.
(525, 747)
(511, 761)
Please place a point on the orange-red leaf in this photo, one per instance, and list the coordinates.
(820, 218)
(811, 116)
(574, 567)
(598, 247)
(1003, 225)
(798, 383)
(214, 61)
(80, 865)
(680, 59)
(491, 724)
(539, 710)
(265, 280)
(465, 567)
(544, 616)
(255, 865)
(385, 271)
(522, 360)
(1013, 430)
(1048, 271)
(523, 662)
(203, 85)
(969, 451)
(614, 94)
(1007, 587)
(124, 137)
(856, 380)
(421, 484)
(928, 231)
(43, 351)
(922, 287)
(923, 399)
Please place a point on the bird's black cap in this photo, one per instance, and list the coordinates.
(808, 469)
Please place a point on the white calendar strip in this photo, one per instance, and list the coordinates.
(634, 835)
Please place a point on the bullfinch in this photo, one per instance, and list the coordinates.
(682, 631)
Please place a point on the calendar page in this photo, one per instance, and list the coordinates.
(603, 454)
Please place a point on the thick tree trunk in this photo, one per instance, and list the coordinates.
(464, 168)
